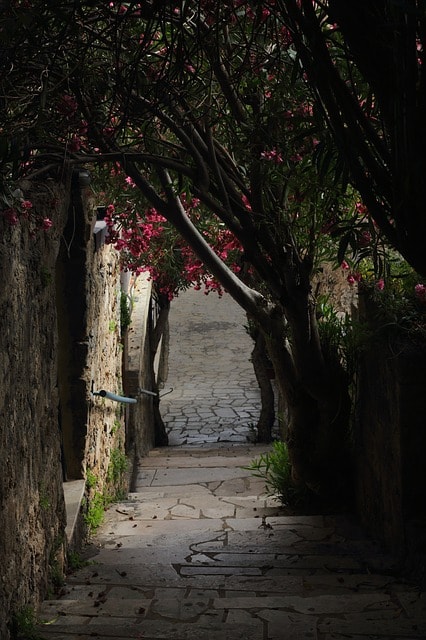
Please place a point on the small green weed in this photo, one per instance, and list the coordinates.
(116, 426)
(99, 501)
(274, 468)
(23, 625)
(117, 466)
(75, 561)
(125, 311)
(95, 511)
(55, 565)
(112, 326)
(91, 479)
(56, 575)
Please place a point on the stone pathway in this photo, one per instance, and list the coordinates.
(215, 396)
(199, 552)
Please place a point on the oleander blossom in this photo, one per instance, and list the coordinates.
(148, 245)
(10, 216)
(354, 277)
(420, 292)
(380, 284)
(272, 156)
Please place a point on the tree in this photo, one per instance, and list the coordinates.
(147, 242)
(365, 63)
(203, 98)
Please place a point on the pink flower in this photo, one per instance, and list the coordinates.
(344, 265)
(67, 105)
(360, 208)
(82, 127)
(272, 155)
(364, 239)
(10, 216)
(26, 204)
(354, 277)
(246, 202)
(46, 224)
(420, 292)
(74, 143)
(380, 284)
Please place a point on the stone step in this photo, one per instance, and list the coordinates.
(173, 477)
(193, 505)
(296, 606)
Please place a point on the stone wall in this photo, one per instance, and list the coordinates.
(137, 372)
(32, 513)
(390, 438)
(90, 358)
(60, 342)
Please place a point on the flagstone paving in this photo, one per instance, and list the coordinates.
(215, 397)
(199, 551)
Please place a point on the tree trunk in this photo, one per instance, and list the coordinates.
(161, 439)
(159, 326)
(318, 419)
(315, 393)
(262, 366)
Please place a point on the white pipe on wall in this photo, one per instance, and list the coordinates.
(114, 397)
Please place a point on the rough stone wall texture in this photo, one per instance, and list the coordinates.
(91, 353)
(32, 513)
(137, 372)
(60, 339)
(105, 418)
(390, 437)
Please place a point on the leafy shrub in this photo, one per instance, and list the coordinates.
(95, 511)
(274, 468)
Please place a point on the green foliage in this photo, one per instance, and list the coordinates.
(91, 479)
(341, 335)
(98, 501)
(95, 504)
(23, 625)
(275, 469)
(125, 312)
(95, 511)
(117, 466)
(56, 575)
(75, 561)
(116, 427)
(112, 326)
(395, 310)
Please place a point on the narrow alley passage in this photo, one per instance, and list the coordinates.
(215, 396)
(198, 551)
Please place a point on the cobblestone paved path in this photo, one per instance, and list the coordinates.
(215, 396)
(199, 552)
